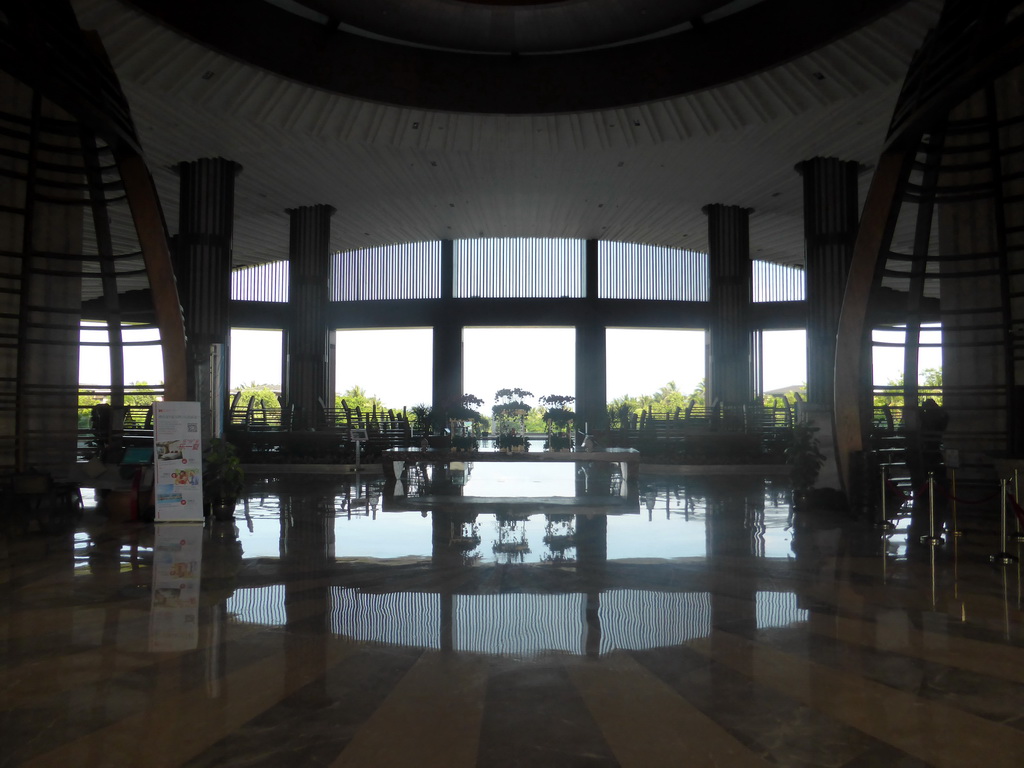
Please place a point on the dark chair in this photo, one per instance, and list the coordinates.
(35, 495)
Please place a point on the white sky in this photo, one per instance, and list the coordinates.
(395, 364)
(540, 360)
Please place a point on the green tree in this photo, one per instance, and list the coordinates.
(699, 394)
(668, 398)
(356, 397)
(86, 402)
(139, 394)
(535, 420)
(930, 386)
(263, 394)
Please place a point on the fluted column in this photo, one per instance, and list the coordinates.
(203, 246)
(202, 253)
(309, 264)
(591, 354)
(830, 229)
(448, 364)
(730, 371)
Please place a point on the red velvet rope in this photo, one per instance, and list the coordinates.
(942, 489)
(982, 500)
(896, 489)
(1017, 509)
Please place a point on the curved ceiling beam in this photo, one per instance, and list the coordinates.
(767, 34)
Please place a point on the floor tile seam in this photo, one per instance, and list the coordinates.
(986, 734)
(404, 688)
(164, 660)
(339, 728)
(577, 674)
(185, 705)
(756, 742)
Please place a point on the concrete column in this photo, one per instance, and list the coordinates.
(591, 354)
(203, 266)
(730, 369)
(307, 378)
(830, 229)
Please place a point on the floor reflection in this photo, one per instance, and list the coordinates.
(670, 520)
(573, 626)
(577, 594)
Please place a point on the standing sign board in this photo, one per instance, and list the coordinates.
(178, 462)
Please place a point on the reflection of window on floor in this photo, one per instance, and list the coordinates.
(634, 619)
(259, 605)
(778, 609)
(399, 618)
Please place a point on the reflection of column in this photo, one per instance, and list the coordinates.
(830, 227)
(202, 250)
(730, 375)
(592, 540)
(591, 354)
(309, 267)
(447, 640)
(734, 584)
(592, 644)
(307, 547)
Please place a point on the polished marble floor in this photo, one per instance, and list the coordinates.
(688, 622)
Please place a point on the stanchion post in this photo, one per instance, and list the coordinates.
(1018, 534)
(952, 483)
(1002, 557)
(931, 538)
(884, 524)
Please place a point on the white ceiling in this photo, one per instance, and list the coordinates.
(639, 173)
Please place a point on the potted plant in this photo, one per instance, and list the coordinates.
(223, 478)
(804, 457)
(558, 417)
(465, 443)
(423, 416)
(463, 422)
(510, 411)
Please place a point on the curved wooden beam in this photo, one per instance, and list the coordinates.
(873, 237)
(152, 233)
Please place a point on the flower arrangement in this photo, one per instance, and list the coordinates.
(558, 413)
(511, 403)
(510, 412)
(465, 442)
(558, 417)
(465, 409)
(463, 421)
